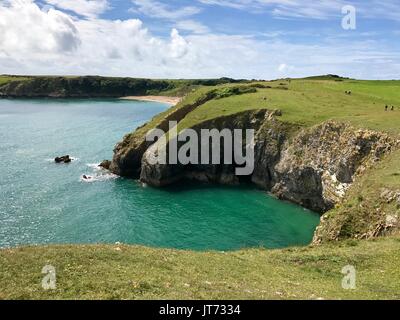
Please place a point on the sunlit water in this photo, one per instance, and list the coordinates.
(42, 202)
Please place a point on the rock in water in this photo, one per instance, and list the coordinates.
(63, 159)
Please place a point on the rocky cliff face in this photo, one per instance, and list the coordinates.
(162, 175)
(318, 165)
(129, 152)
(312, 167)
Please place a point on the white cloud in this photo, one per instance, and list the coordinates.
(33, 41)
(88, 8)
(321, 9)
(192, 26)
(24, 28)
(178, 46)
(282, 67)
(286, 70)
(158, 9)
(180, 18)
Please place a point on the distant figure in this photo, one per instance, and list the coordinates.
(386, 108)
(265, 98)
(392, 109)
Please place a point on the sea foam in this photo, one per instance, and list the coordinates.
(99, 174)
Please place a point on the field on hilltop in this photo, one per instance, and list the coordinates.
(309, 102)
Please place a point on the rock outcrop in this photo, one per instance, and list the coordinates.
(105, 164)
(129, 152)
(318, 165)
(63, 159)
(164, 174)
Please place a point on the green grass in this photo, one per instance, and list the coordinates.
(128, 272)
(6, 79)
(310, 102)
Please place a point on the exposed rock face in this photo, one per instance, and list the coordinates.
(318, 165)
(128, 156)
(312, 167)
(162, 175)
(105, 164)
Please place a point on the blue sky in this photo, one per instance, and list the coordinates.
(200, 38)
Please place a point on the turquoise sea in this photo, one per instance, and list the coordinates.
(45, 203)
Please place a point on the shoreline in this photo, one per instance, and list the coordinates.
(173, 101)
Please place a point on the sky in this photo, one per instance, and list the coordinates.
(253, 39)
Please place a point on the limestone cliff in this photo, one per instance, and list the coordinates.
(318, 166)
(129, 152)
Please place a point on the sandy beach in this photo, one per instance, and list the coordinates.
(169, 100)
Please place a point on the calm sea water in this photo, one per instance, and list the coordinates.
(42, 202)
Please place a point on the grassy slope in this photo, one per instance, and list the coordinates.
(127, 272)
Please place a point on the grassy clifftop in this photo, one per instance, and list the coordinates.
(127, 272)
(311, 102)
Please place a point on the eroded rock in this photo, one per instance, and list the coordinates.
(105, 164)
